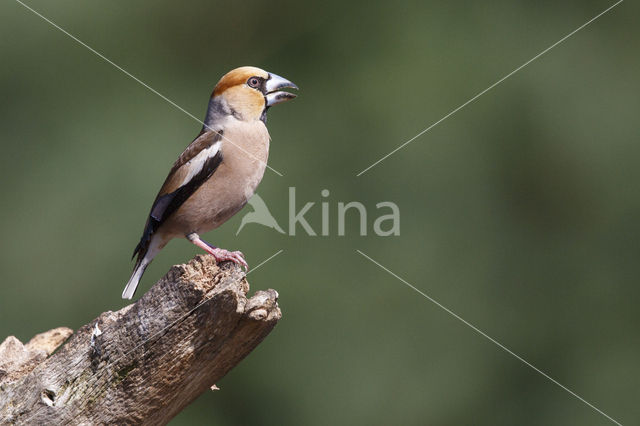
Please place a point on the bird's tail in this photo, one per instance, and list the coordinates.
(138, 270)
(141, 264)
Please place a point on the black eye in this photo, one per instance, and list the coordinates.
(253, 82)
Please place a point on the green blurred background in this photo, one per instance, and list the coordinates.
(520, 212)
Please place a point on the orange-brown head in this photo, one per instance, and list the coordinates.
(249, 91)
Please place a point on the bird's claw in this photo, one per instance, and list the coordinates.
(236, 257)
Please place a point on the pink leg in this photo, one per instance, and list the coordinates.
(221, 255)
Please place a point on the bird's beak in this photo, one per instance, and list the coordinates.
(273, 93)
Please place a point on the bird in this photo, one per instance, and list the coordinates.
(218, 172)
(260, 214)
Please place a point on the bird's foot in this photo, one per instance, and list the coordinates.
(223, 255)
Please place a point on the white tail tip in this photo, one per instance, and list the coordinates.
(132, 285)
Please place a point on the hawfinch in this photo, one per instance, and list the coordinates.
(218, 172)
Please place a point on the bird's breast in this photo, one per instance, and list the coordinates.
(245, 150)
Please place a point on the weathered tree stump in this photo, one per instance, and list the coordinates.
(144, 363)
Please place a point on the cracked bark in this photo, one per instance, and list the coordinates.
(144, 363)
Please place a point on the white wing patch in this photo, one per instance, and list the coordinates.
(194, 166)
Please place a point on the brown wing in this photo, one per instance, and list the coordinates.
(205, 141)
(194, 166)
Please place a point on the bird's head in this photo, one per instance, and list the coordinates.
(249, 91)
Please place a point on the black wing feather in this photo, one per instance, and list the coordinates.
(165, 205)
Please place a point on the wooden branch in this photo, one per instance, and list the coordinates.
(144, 363)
